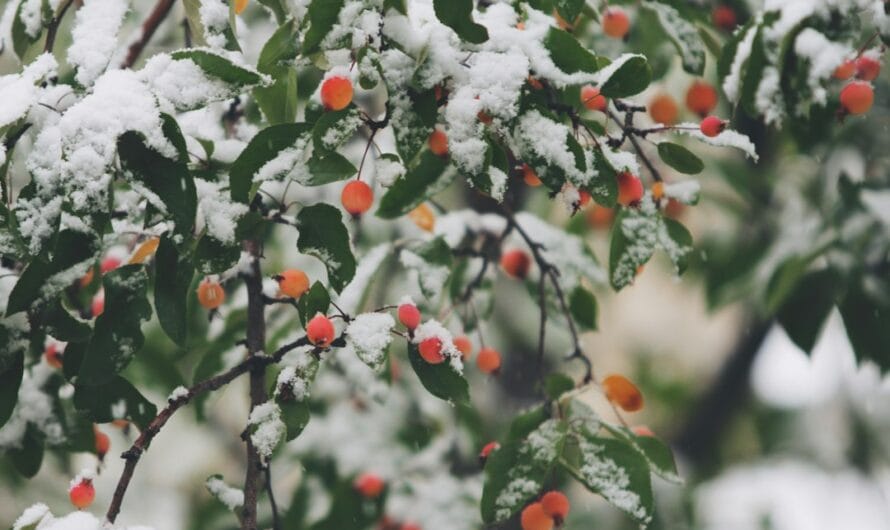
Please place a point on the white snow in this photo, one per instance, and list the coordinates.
(94, 37)
(267, 428)
(232, 498)
(369, 334)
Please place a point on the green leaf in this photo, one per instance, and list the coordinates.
(117, 335)
(28, 458)
(173, 277)
(730, 49)
(682, 34)
(21, 41)
(295, 415)
(169, 180)
(680, 158)
(264, 146)
(440, 380)
(334, 128)
(116, 399)
(519, 470)
(322, 17)
(567, 53)
(660, 457)
(754, 66)
(72, 248)
(418, 184)
(326, 167)
(282, 46)
(615, 470)
(868, 327)
(678, 245)
(557, 384)
(582, 305)
(316, 300)
(62, 325)
(11, 369)
(803, 313)
(629, 78)
(569, 9)
(278, 101)
(217, 66)
(398, 5)
(214, 257)
(323, 235)
(458, 15)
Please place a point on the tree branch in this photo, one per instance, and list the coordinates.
(53, 28)
(157, 15)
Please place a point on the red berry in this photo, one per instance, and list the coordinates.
(487, 449)
(438, 142)
(857, 97)
(356, 197)
(464, 346)
(82, 493)
(584, 197)
(320, 331)
(530, 177)
(724, 17)
(109, 264)
(516, 263)
(600, 216)
(409, 316)
(210, 294)
(534, 518)
(867, 68)
(98, 305)
(663, 109)
(616, 23)
(53, 355)
(336, 93)
(488, 361)
(701, 98)
(103, 442)
(293, 283)
(369, 485)
(630, 189)
(712, 126)
(845, 70)
(592, 99)
(556, 505)
(623, 393)
(431, 350)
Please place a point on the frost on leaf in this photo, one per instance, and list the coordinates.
(727, 138)
(232, 498)
(369, 334)
(266, 428)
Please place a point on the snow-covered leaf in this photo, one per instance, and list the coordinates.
(627, 75)
(322, 17)
(567, 53)
(113, 400)
(215, 65)
(173, 277)
(682, 34)
(440, 380)
(323, 235)
(458, 15)
(680, 158)
(418, 184)
(262, 148)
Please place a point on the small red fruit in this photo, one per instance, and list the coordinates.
(600, 216)
(724, 17)
(464, 346)
(534, 518)
(356, 198)
(516, 263)
(53, 355)
(630, 189)
(336, 93)
(409, 316)
(867, 68)
(103, 442)
(293, 283)
(109, 264)
(623, 393)
(240, 5)
(663, 109)
(488, 361)
(320, 331)
(642, 430)
(701, 98)
(584, 198)
(369, 485)
(592, 99)
(712, 126)
(556, 505)
(845, 70)
(857, 97)
(210, 294)
(82, 493)
(616, 23)
(487, 449)
(531, 178)
(431, 350)
(98, 305)
(438, 142)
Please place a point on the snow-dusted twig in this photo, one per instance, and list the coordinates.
(157, 15)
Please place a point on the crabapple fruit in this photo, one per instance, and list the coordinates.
(616, 23)
(556, 505)
(663, 109)
(336, 93)
(712, 126)
(369, 485)
(516, 263)
(210, 294)
(534, 518)
(630, 189)
(438, 142)
(431, 350)
(623, 393)
(488, 361)
(592, 99)
(82, 493)
(356, 198)
(701, 98)
(293, 283)
(857, 97)
(409, 316)
(320, 331)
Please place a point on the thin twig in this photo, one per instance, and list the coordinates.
(52, 28)
(157, 15)
(627, 126)
(276, 520)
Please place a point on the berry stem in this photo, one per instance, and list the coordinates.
(630, 133)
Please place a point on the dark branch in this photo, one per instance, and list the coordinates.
(157, 15)
(53, 28)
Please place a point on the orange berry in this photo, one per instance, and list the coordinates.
(82, 494)
(293, 283)
(438, 142)
(556, 505)
(409, 316)
(487, 449)
(712, 126)
(464, 346)
(103, 442)
(87, 278)
(356, 197)
(592, 99)
(484, 117)
(857, 97)
(53, 355)
(584, 198)
(642, 430)
(623, 393)
(520, 25)
(534, 83)
(98, 305)
(210, 294)
(630, 189)
(320, 331)
(423, 217)
(488, 361)
(616, 23)
(431, 350)
(600, 216)
(531, 178)
(109, 264)
(701, 98)
(369, 485)
(534, 518)
(240, 5)
(336, 93)
(674, 208)
(724, 17)
(663, 109)
(145, 250)
(845, 70)
(658, 191)
(516, 263)
(867, 68)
